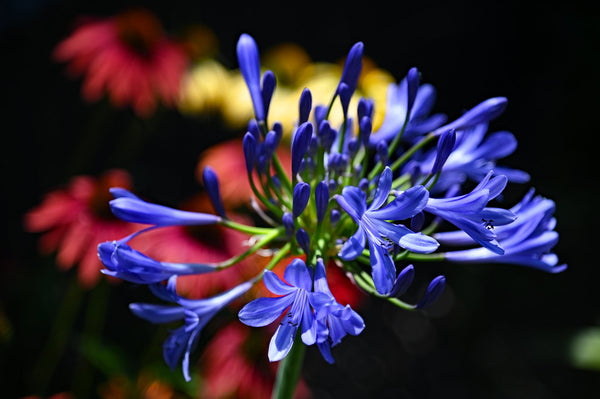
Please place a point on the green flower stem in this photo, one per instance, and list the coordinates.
(283, 177)
(288, 372)
(364, 281)
(438, 257)
(282, 253)
(270, 236)
(262, 199)
(246, 229)
(410, 152)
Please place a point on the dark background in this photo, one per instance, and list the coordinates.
(498, 331)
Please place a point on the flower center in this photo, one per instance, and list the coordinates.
(140, 30)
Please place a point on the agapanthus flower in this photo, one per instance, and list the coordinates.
(527, 241)
(128, 57)
(374, 227)
(293, 302)
(345, 199)
(195, 313)
(74, 220)
(470, 213)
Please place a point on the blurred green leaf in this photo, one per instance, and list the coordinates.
(585, 349)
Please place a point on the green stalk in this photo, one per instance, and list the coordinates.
(253, 230)
(270, 236)
(288, 372)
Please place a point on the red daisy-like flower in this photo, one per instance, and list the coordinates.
(128, 57)
(76, 219)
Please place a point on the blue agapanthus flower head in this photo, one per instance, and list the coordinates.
(375, 201)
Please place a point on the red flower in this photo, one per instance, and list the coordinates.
(235, 365)
(127, 56)
(76, 219)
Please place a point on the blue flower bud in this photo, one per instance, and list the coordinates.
(300, 144)
(334, 217)
(434, 290)
(211, 184)
(321, 199)
(254, 128)
(365, 129)
(332, 184)
(444, 149)
(382, 152)
(249, 62)
(278, 129)
(288, 223)
(412, 79)
(300, 198)
(313, 146)
(303, 240)
(270, 144)
(352, 147)
(352, 68)
(305, 105)
(345, 93)
(320, 113)
(327, 135)
(364, 108)
(268, 87)
(363, 184)
(249, 146)
(417, 222)
(403, 281)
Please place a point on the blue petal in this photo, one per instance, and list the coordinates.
(419, 243)
(138, 211)
(282, 341)
(157, 313)
(383, 189)
(297, 274)
(325, 350)
(300, 198)
(263, 311)
(275, 284)
(406, 205)
(356, 200)
(383, 269)
(354, 246)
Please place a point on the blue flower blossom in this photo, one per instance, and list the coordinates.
(334, 321)
(293, 301)
(122, 261)
(195, 313)
(374, 227)
(527, 241)
(469, 212)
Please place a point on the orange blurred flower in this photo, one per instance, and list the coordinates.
(76, 219)
(128, 57)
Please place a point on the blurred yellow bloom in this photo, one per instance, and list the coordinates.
(210, 87)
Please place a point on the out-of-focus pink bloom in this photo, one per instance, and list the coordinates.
(228, 162)
(127, 56)
(235, 365)
(76, 219)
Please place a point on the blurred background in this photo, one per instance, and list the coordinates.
(498, 331)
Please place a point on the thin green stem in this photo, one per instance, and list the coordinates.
(244, 228)
(288, 372)
(270, 236)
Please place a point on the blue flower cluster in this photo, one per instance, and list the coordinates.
(366, 201)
